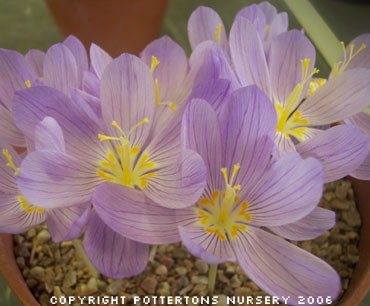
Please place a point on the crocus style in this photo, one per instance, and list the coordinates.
(62, 67)
(117, 149)
(245, 190)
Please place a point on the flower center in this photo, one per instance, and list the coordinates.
(289, 119)
(123, 165)
(224, 216)
(23, 203)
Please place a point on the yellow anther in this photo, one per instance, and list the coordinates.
(173, 106)
(215, 194)
(154, 64)
(25, 205)
(158, 99)
(115, 124)
(205, 201)
(218, 34)
(341, 65)
(10, 163)
(236, 169)
(104, 137)
(267, 27)
(134, 150)
(28, 83)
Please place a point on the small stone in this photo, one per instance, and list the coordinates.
(166, 260)
(38, 273)
(180, 253)
(161, 270)
(31, 283)
(181, 271)
(352, 217)
(200, 290)
(335, 250)
(186, 290)
(203, 280)
(164, 289)
(243, 291)
(49, 276)
(70, 279)
(188, 264)
(201, 266)
(21, 262)
(340, 204)
(44, 299)
(102, 285)
(253, 286)
(31, 233)
(328, 196)
(43, 236)
(352, 249)
(235, 282)
(230, 270)
(149, 284)
(115, 287)
(92, 285)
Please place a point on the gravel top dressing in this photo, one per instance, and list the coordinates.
(52, 269)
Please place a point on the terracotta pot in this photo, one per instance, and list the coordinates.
(356, 292)
(115, 25)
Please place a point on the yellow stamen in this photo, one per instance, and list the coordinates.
(28, 83)
(158, 100)
(10, 163)
(218, 34)
(154, 64)
(340, 66)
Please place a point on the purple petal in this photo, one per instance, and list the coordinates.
(127, 97)
(79, 52)
(7, 174)
(363, 171)
(340, 149)
(269, 11)
(201, 133)
(178, 184)
(99, 59)
(172, 67)
(14, 72)
(255, 16)
(278, 25)
(54, 179)
(289, 190)
(112, 254)
(9, 133)
(284, 143)
(202, 25)
(14, 219)
(362, 59)
(341, 97)
(205, 245)
(88, 103)
(67, 223)
(362, 120)
(248, 124)
(131, 214)
(282, 269)
(35, 58)
(287, 50)
(310, 227)
(49, 136)
(80, 132)
(91, 84)
(60, 69)
(248, 55)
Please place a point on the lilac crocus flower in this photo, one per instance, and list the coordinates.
(123, 148)
(17, 214)
(61, 67)
(245, 190)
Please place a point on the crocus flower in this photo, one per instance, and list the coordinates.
(61, 67)
(121, 148)
(245, 190)
(17, 214)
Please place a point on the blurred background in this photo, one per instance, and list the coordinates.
(29, 24)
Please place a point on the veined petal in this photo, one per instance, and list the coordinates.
(288, 191)
(310, 227)
(89, 103)
(248, 124)
(49, 136)
(340, 149)
(282, 269)
(178, 183)
(79, 52)
(14, 219)
(67, 223)
(127, 97)
(131, 214)
(7, 174)
(278, 25)
(14, 72)
(54, 179)
(363, 171)
(35, 58)
(362, 59)
(99, 59)
(284, 144)
(362, 120)
(341, 97)
(60, 69)
(206, 246)
(286, 52)
(203, 23)
(269, 11)
(201, 132)
(91, 84)
(248, 55)
(9, 133)
(112, 254)
(172, 68)
(80, 132)
(255, 16)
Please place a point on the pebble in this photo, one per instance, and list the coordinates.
(181, 271)
(38, 273)
(161, 270)
(199, 280)
(115, 287)
(43, 236)
(180, 253)
(164, 289)
(92, 285)
(243, 291)
(31, 233)
(149, 284)
(352, 217)
(69, 279)
(201, 266)
(235, 282)
(340, 204)
(21, 262)
(167, 261)
(199, 289)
